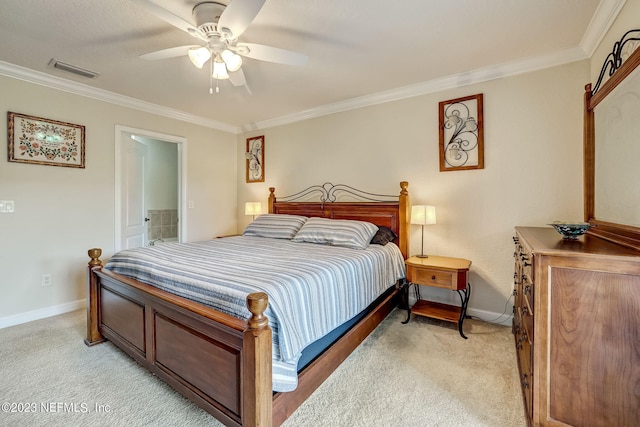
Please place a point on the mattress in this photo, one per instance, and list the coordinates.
(312, 288)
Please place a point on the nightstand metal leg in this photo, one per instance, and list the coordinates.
(464, 295)
(405, 300)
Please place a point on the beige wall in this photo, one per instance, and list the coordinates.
(61, 212)
(532, 175)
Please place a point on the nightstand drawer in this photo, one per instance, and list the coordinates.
(422, 276)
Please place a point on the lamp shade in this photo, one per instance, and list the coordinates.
(253, 208)
(199, 56)
(423, 214)
(233, 61)
(219, 69)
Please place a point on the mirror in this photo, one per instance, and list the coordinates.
(617, 146)
(612, 146)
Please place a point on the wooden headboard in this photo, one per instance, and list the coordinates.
(390, 211)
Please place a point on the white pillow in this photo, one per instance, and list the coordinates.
(275, 226)
(337, 232)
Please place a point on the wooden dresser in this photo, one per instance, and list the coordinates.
(576, 324)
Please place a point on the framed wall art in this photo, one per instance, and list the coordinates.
(255, 159)
(44, 141)
(461, 133)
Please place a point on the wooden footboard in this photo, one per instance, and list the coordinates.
(221, 363)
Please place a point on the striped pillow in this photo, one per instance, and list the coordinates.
(275, 226)
(337, 232)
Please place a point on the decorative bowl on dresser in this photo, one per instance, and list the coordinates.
(571, 230)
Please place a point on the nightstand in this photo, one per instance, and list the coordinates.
(440, 272)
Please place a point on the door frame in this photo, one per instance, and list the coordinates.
(182, 178)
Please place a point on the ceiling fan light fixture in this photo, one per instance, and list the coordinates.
(219, 69)
(233, 61)
(199, 56)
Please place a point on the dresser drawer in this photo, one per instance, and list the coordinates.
(526, 320)
(527, 293)
(525, 355)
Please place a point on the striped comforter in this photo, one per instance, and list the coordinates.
(312, 288)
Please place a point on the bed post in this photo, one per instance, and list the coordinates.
(272, 198)
(93, 334)
(405, 218)
(257, 388)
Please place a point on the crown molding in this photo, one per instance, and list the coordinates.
(450, 82)
(602, 19)
(31, 76)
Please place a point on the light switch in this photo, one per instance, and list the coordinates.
(7, 206)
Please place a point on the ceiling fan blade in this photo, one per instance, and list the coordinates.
(237, 16)
(169, 17)
(172, 52)
(237, 78)
(271, 54)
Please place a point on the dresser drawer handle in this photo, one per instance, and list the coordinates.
(527, 289)
(525, 310)
(433, 277)
(525, 384)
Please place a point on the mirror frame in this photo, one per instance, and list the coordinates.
(623, 234)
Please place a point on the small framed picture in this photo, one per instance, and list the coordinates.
(461, 133)
(255, 159)
(44, 141)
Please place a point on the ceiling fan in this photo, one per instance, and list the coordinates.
(219, 26)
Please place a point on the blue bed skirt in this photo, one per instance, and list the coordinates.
(314, 349)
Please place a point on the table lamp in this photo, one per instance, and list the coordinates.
(253, 209)
(423, 215)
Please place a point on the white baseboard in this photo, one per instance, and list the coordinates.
(491, 317)
(42, 313)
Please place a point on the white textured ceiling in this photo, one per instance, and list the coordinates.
(356, 48)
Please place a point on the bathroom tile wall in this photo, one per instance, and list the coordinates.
(163, 223)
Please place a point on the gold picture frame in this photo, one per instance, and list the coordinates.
(44, 141)
(461, 128)
(255, 159)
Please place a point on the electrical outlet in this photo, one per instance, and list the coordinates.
(46, 280)
(191, 204)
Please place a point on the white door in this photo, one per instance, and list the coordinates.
(132, 161)
(134, 227)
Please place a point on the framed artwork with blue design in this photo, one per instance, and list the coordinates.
(461, 131)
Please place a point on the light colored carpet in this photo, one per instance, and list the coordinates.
(419, 374)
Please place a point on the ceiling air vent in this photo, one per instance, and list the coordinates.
(73, 69)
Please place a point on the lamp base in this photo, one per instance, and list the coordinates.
(422, 256)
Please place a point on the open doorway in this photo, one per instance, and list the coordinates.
(150, 175)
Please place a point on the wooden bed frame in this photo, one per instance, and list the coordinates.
(221, 363)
